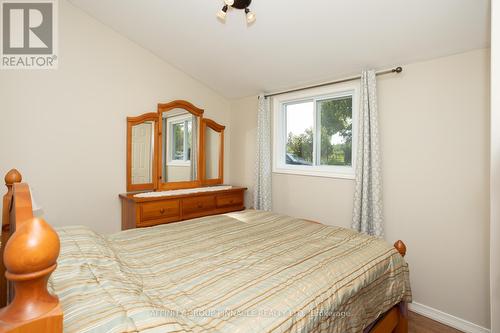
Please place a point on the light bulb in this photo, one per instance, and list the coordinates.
(222, 13)
(229, 2)
(251, 17)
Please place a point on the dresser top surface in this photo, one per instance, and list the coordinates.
(132, 197)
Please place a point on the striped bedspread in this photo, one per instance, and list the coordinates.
(242, 272)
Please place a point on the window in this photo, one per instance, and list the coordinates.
(314, 132)
(179, 145)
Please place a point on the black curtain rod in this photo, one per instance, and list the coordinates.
(396, 70)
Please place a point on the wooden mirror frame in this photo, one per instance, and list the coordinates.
(220, 129)
(178, 104)
(133, 121)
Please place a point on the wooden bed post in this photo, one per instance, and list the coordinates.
(13, 176)
(402, 326)
(401, 247)
(30, 256)
(396, 319)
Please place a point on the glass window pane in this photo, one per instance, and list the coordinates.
(178, 142)
(335, 119)
(299, 131)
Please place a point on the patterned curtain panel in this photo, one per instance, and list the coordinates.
(367, 215)
(262, 196)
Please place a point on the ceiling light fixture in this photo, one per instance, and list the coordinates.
(237, 4)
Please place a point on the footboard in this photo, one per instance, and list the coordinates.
(396, 319)
(30, 248)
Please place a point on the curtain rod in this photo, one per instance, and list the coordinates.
(396, 70)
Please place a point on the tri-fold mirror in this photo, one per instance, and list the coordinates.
(174, 148)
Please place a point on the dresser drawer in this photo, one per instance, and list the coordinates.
(168, 209)
(141, 212)
(225, 200)
(152, 223)
(196, 205)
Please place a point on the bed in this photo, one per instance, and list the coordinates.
(250, 271)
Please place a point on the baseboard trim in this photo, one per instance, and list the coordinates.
(447, 319)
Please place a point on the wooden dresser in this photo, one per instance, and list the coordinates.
(163, 156)
(147, 212)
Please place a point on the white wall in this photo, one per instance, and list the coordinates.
(65, 130)
(435, 144)
(495, 167)
(177, 173)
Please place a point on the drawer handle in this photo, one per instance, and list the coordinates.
(231, 201)
(200, 205)
(162, 211)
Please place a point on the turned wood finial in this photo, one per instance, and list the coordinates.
(30, 256)
(401, 247)
(32, 249)
(13, 176)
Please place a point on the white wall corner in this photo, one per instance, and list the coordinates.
(447, 319)
(495, 169)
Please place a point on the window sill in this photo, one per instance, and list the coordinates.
(311, 173)
(179, 164)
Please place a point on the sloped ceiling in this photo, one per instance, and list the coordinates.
(294, 42)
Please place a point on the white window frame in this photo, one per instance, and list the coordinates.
(280, 135)
(170, 143)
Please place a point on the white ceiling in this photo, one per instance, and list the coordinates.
(294, 42)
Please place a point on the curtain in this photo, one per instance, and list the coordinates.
(194, 148)
(262, 191)
(367, 214)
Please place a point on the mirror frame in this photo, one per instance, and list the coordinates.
(205, 122)
(132, 121)
(178, 104)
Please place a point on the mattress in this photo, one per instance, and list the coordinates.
(250, 271)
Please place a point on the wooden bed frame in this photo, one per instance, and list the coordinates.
(29, 252)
